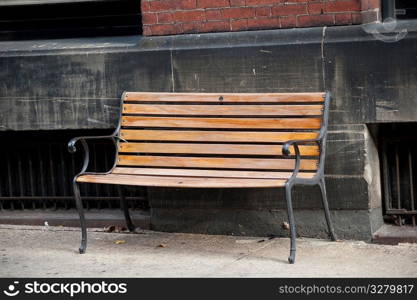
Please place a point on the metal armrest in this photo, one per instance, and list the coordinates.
(320, 140)
(71, 144)
(295, 144)
(83, 140)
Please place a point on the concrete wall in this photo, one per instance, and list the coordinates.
(77, 84)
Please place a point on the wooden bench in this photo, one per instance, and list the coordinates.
(221, 140)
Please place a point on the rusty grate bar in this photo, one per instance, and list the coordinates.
(398, 174)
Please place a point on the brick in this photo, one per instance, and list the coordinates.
(193, 27)
(184, 4)
(263, 11)
(317, 20)
(169, 5)
(237, 25)
(145, 7)
(212, 3)
(214, 14)
(149, 18)
(165, 29)
(188, 16)
(315, 8)
(216, 26)
(234, 3)
(264, 23)
(156, 6)
(287, 10)
(356, 18)
(343, 6)
(288, 22)
(343, 18)
(262, 2)
(147, 30)
(371, 4)
(165, 17)
(239, 12)
(370, 16)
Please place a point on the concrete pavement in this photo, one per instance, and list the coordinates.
(38, 251)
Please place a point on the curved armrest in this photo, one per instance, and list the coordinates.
(83, 140)
(288, 144)
(71, 144)
(295, 143)
(320, 141)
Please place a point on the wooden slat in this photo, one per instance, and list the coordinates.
(227, 97)
(190, 182)
(209, 173)
(215, 136)
(226, 110)
(215, 162)
(227, 149)
(233, 123)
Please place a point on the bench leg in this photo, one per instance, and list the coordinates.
(288, 190)
(322, 185)
(80, 209)
(125, 207)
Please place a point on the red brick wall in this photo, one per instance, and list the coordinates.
(371, 10)
(163, 17)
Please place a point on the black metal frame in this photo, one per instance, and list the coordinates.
(293, 180)
(123, 203)
(317, 179)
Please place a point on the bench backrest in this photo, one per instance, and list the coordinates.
(222, 131)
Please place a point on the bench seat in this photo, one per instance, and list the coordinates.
(192, 178)
(184, 181)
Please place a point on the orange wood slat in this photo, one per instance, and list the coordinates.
(226, 97)
(224, 110)
(209, 173)
(227, 149)
(215, 162)
(231, 123)
(215, 136)
(189, 182)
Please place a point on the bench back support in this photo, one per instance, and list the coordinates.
(186, 132)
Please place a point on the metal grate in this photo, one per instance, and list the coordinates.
(399, 172)
(36, 171)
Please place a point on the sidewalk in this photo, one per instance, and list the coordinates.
(35, 251)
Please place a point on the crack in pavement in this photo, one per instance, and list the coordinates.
(239, 258)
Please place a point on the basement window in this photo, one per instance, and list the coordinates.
(399, 9)
(398, 149)
(52, 19)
